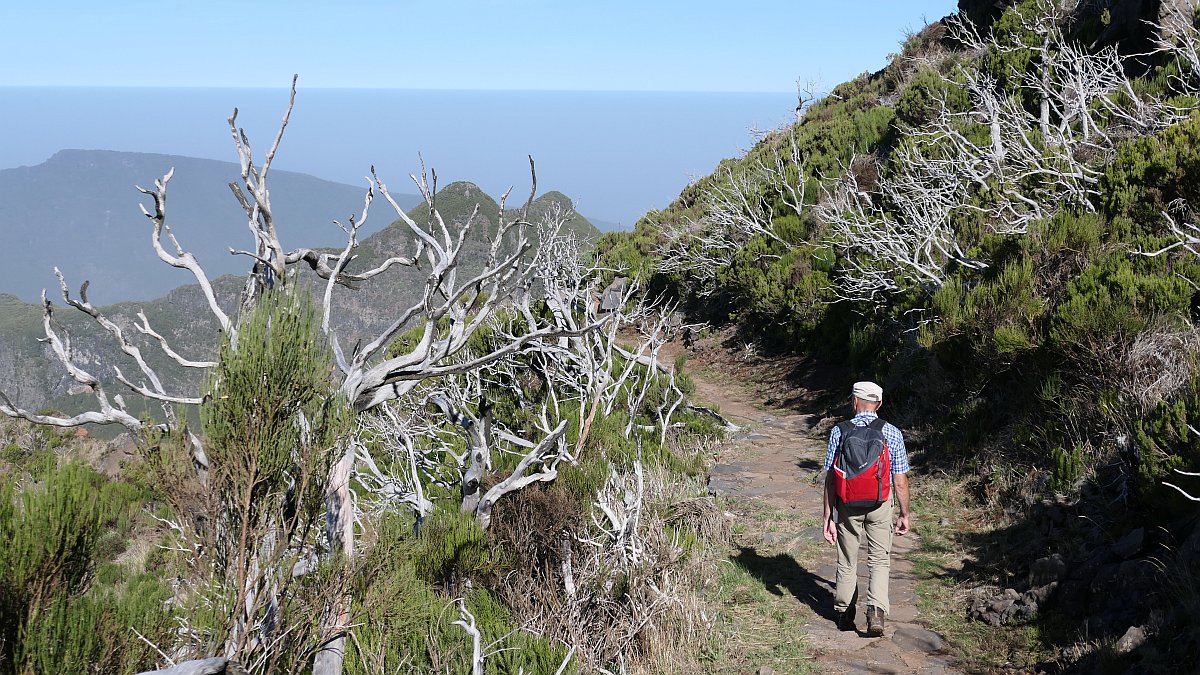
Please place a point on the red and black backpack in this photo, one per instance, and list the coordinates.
(862, 468)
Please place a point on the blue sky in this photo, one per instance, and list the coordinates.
(618, 45)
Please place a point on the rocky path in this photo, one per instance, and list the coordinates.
(772, 467)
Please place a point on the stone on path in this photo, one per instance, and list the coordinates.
(911, 637)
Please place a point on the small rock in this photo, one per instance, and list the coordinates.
(722, 486)
(1131, 544)
(992, 609)
(1038, 596)
(918, 639)
(1107, 578)
(812, 533)
(1008, 597)
(775, 537)
(725, 469)
(1132, 639)
(1019, 613)
(1009, 606)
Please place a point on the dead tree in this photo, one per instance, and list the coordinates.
(1040, 162)
(582, 370)
(1031, 165)
(1179, 36)
(592, 374)
(451, 309)
(740, 203)
(899, 236)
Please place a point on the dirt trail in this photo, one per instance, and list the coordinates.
(773, 465)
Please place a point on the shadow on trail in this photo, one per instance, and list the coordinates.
(781, 573)
(802, 382)
(809, 465)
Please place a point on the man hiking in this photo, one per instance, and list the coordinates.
(867, 467)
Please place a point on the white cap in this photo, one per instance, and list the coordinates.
(868, 391)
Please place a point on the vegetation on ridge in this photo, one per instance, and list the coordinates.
(501, 475)
(970, 226)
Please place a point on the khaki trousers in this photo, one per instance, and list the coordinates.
(852, 524)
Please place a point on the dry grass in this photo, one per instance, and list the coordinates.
(760, 621)
(702, 516)
(630, 603)
(1158, 364)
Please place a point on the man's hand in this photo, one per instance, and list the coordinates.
(830, 531)
(902, 525)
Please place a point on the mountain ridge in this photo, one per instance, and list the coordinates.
(33, 376)
(78, 211)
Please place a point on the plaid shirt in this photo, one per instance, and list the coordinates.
(898, 454)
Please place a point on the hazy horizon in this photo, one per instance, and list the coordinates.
(618, 154)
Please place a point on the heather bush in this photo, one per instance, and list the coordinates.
(58, 527)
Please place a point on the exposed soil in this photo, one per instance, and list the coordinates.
(770, 480)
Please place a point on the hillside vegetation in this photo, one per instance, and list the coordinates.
(468, 463)
(999, 227)
(431, 451)
(181, 314)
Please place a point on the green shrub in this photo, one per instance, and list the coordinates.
(404, 623)
(1165, 442)
(922, 98)
(1067, 468)
(56, 614)
(1147, 175)
(452, 547)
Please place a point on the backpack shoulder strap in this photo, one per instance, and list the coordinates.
(877, 424)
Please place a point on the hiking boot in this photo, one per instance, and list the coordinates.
(845, 620)
(874, 621)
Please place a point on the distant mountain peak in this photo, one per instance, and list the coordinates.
(78, 211)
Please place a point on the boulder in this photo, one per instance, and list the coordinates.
(919, 639)
(1132, 639)
(1128, 24)
(1129, 21)
(1131, 544)
(1046, 570)
(983, 11)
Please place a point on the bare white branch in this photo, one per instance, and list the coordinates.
(61, 347)
(467, 621)
(740, 204)
(1187, 237)
(181, 259)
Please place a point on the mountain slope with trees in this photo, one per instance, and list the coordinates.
(480, 470)
(999, 227)
(182, 318)
(497, 474)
